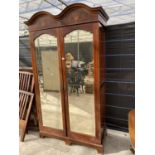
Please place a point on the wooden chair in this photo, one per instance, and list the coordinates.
(25, 104)
(131, 121)
(26, 84)
(26, 81)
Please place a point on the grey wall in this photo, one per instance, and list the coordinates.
(120, 74)
(24, 52)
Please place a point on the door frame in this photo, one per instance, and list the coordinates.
(44, 130)
(94, 29)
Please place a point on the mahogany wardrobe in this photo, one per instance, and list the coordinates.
(68, 60)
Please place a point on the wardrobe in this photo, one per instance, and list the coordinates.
(68, 60)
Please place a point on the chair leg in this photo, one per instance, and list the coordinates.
(132, 150)
(22, 136)
(77, 89)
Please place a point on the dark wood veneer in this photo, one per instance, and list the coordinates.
(73, 17)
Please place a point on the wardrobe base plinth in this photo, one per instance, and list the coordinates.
(42, 136)
(100, 150)
(68, 142)
(98, 147)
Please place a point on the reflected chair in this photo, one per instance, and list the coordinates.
(75, 80)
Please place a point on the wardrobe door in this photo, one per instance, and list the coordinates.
(79, 63)
(48, 70)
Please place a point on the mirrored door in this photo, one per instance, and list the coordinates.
(49, 80)
(79, 63)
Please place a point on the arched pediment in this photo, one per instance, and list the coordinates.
(73, 14)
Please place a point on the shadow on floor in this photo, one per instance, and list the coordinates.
(117, 144)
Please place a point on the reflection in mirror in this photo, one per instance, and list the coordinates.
(80, 79)
(49, 80)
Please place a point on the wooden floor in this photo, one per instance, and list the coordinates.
(116, 143)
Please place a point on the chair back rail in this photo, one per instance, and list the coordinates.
(26, 81)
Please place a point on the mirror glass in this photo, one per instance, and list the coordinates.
(49, 80)
(79, 63)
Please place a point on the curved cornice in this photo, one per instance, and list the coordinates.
(67, 9)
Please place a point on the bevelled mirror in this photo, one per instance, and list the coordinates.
(49, 80)
(79, 61)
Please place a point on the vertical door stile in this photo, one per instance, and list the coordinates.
(63, 60)
(35, 72)
(97, 79)
(62, 81)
